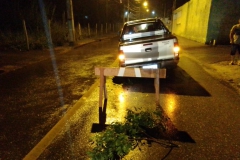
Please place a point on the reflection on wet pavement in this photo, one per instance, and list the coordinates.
(119, 102)
(171, 106)
(177, 82)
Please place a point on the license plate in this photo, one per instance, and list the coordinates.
(150, 66)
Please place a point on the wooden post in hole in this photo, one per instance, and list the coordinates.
(156, 84)
(102, 87)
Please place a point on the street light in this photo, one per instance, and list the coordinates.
(145, 4)
(153, 13)
(126, 15)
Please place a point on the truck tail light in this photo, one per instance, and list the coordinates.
(176, 49)
(121, 56)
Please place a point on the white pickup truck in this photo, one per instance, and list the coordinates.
(147, 43)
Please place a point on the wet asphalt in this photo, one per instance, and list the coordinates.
(207, 122)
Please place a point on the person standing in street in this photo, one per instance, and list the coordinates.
(235, 43)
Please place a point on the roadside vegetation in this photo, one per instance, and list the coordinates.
(16, 40)
(118, 139)
(23, 28)
(36, 39)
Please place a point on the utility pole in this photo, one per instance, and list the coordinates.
(128, 12)
(70, 21)
(106, 11)
(174, 5)
(123, 17)
(173, 8)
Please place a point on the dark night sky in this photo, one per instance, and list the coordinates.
(13, 11)
(165, 5)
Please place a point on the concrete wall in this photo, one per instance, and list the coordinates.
(224, 14)
(191, 20)
(205, 20)
(180, 20)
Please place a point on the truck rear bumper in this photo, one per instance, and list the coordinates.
(169, 63)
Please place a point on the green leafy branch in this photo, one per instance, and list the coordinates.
(120, 138)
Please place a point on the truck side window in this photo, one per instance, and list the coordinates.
(130, 29)
(126, 30)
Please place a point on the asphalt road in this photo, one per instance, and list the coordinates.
(202, 107)
(37, 91)
(201, 110)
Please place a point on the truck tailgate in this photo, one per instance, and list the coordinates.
(150, 51)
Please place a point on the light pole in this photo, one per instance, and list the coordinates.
(126, 15)
(145, 5)
(153, 13)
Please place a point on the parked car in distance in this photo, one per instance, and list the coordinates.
(147, 43)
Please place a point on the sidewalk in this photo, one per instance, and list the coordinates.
(12, 60)
(214, 59)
